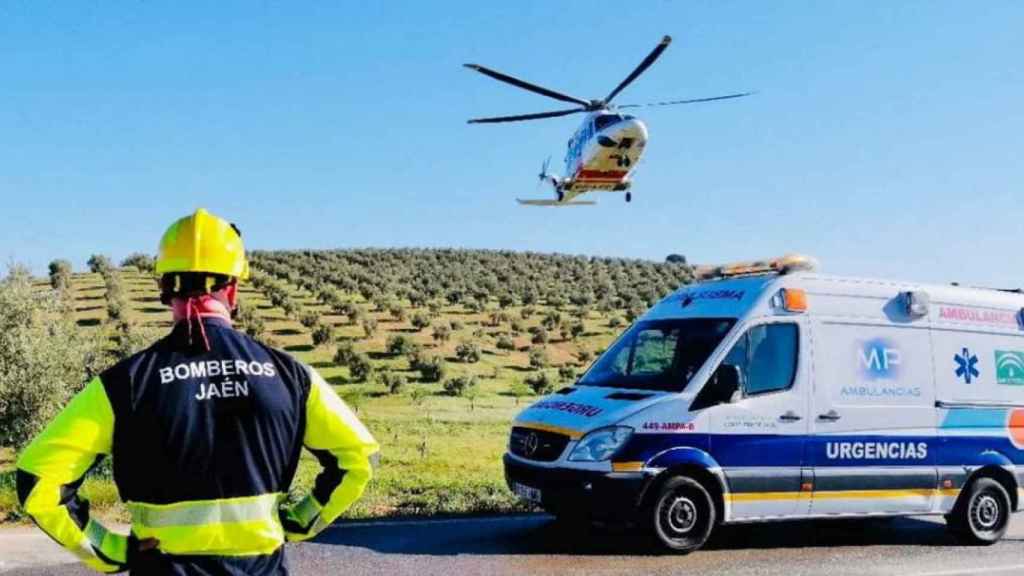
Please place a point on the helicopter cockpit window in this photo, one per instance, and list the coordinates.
(601, 122)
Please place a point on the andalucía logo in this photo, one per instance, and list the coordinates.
(1010, 367)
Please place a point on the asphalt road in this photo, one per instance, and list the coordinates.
(534, 544)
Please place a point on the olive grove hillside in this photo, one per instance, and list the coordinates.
(435, 349)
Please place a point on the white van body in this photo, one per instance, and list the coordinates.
(878, 398)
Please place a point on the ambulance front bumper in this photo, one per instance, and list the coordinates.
(603, 495)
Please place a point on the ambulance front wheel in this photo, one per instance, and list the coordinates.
(983, 516)
(681, 515)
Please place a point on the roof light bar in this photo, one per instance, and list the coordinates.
(782, 265)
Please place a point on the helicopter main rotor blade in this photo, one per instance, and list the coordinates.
(640, 69)
(520, 117)
(526, 85)
(691, 101)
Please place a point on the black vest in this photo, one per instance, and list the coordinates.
(192, 424)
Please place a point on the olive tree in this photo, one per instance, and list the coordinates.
(540, 383)
(344, 353)
(44, 358)
(431, 369)
(323, 333)
(142, 262)
(359, 367)
(468, 352)
(399, 344)
(442, 332)
(369, 327)
(519, 390)
(98, 264)
(538, 358)
(420, 321)
(459, 385)
(393, 382)
(129, 338)
(60, 274)
(505, 343)
(248, 321)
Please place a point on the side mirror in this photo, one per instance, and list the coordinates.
(727, 381)
(722, 388)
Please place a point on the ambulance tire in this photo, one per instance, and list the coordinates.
(983, 516)
(681, 515)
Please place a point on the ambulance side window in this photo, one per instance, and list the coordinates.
(738, 355)
(771, 351)
(763, 360)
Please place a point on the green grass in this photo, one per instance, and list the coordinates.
(439, 456)
(8, 494)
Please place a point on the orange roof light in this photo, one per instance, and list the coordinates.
(794, 300)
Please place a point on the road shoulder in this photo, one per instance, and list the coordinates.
(28, 547)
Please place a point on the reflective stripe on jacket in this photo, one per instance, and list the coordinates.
(205, 445)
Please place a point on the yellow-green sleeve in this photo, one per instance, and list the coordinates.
(51, 469)
(344, 448)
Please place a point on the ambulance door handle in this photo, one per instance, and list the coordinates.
(830, 416)
(790, 417)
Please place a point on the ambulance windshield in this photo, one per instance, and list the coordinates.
(658, 354)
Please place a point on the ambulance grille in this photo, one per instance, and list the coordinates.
(537, 445)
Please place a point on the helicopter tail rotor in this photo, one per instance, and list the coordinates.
(555, 182)
(544, 169)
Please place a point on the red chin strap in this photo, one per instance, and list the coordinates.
(192, 312)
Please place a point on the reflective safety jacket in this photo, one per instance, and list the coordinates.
(204, 446)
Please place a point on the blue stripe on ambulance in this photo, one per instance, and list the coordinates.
(659, 451)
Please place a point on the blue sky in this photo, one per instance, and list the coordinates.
(886, 138)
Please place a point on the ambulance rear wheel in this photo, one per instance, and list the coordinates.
(983, 516)
(681, 515)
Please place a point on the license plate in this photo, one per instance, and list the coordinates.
(528, 493)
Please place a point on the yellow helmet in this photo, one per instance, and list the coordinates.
(202, 242)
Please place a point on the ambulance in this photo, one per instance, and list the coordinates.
(772, 392)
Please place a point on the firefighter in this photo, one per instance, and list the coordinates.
(204, 428)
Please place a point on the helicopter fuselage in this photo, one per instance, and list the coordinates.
(603, 152)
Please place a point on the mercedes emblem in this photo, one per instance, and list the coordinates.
(530, 444)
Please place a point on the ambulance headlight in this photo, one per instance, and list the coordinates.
(600, 444)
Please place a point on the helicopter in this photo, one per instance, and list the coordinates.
(604, 151)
